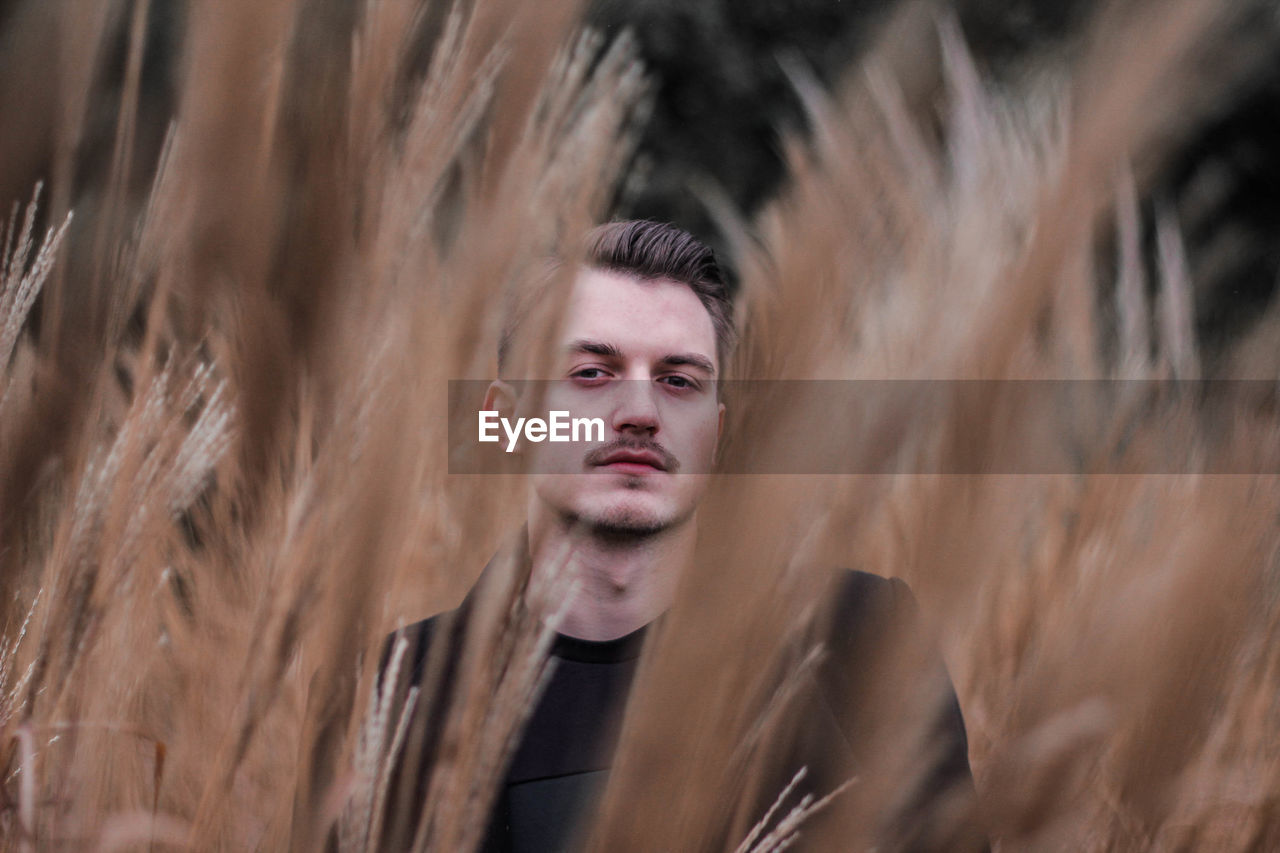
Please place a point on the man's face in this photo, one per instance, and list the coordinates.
(641, 356)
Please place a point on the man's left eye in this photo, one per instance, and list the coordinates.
(678, 381)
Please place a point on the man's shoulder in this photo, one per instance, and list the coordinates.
(862, 597)
(417, 638)
(874, 620)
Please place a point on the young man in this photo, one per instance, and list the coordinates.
(646, 332)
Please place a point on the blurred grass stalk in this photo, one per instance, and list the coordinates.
(221, 477)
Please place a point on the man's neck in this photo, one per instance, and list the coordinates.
(625, 581)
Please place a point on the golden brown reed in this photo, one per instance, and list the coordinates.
(1096, 622)
(224, 478)
(219, 533)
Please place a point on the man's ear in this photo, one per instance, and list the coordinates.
(500, 397)
(715, 453)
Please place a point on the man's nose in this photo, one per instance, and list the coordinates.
(637, 409)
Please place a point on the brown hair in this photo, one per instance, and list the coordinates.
(650, 251)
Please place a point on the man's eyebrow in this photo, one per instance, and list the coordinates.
(595, 348)
(600, 348)
(690, 359)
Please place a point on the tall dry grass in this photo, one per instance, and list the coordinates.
(224, 478)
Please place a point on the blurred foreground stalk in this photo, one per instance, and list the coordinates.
(221, 475)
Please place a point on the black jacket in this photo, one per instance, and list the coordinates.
(560, 765)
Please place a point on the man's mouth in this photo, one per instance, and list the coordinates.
(631, 460)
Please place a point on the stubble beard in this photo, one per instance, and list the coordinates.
(627, 522)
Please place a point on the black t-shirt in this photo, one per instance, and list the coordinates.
(560, 766)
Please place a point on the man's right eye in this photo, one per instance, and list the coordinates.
(589, 374)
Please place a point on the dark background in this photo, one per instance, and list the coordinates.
(723, 98)
(723, 103)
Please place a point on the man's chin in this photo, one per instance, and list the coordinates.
(630, 518)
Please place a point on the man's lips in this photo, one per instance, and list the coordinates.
(633, 461)
(632, 457)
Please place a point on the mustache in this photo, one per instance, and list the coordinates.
(598, 455)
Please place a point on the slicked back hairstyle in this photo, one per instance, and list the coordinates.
(652, 250)
(648, 251)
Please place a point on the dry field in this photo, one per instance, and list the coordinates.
(222, 422)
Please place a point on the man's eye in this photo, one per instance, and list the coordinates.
(675, 380)
(588, 373)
